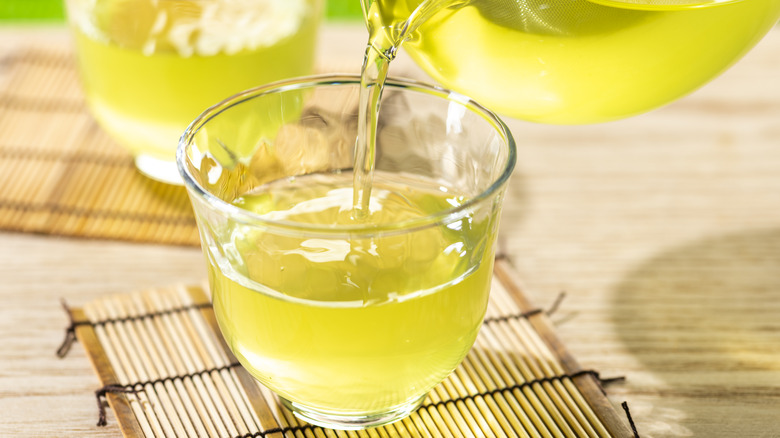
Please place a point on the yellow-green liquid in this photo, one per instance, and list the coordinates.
(360, 325)
(146, 100)
(576, 61)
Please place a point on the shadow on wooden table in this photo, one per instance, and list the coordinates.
(704, 320)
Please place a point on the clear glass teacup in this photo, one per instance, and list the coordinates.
(350, 321)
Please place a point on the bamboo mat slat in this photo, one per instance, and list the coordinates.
(167, 372)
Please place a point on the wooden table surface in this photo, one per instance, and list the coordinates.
(663, 230)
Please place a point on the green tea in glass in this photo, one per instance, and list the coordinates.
(350, 318)
(149, 67)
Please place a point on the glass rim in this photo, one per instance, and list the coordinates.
(314, 81)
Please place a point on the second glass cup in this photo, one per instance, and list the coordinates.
(149, 67)
(351, 322)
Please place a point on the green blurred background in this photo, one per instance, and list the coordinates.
(20, 11)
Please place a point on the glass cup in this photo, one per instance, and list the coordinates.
(149, 67)
(351, 322)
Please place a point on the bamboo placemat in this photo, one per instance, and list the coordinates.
(167, 372)
(61, 174)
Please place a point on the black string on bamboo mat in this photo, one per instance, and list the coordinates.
(526, 384)
(630, 420)
(100, 394)
(141, 385)
(136, 387)
(279, 430)
(70, 330)
(150, 315)
(471, 397)
(556, 304)
(527, 314)
(600, 380)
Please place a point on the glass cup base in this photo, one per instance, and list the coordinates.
(351, 422)
(160, 170)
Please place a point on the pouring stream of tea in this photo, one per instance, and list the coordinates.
(382, 47)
